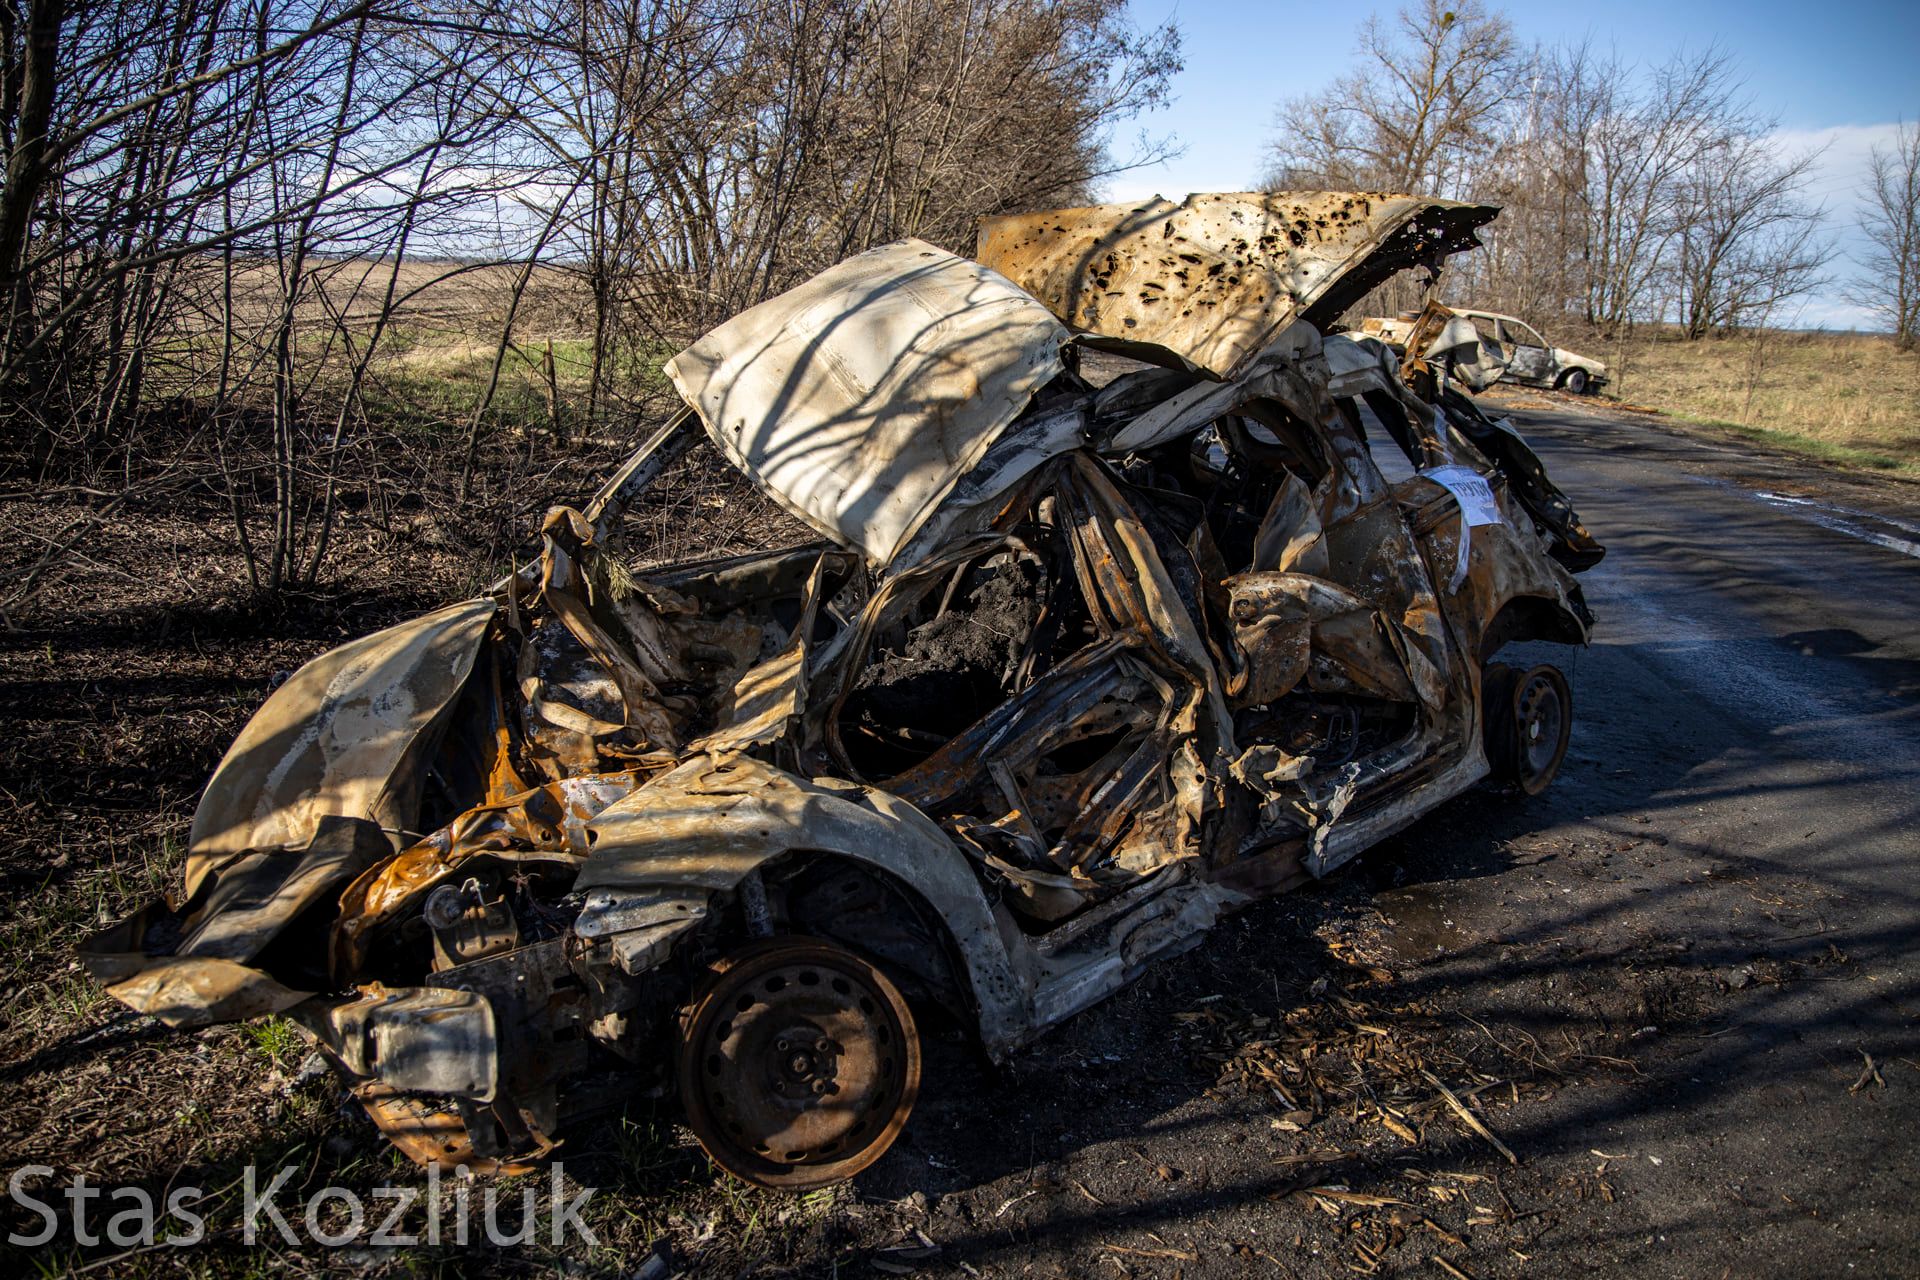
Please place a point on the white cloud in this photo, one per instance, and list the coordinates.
(1840, 184)
(1841, 177)
(1824, 312)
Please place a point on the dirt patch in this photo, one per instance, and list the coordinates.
(121, 686)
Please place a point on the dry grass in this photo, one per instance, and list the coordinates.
(437, 348)
(462, 298)
(1846, 398)
(119, 690)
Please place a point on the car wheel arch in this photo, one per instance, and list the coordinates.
(859, 826)
(977, 968)
(1532, 617)
(819, 887)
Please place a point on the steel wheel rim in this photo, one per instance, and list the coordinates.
(799, 1064)
(1541, 723)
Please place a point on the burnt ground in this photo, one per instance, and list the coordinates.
(1678, 987)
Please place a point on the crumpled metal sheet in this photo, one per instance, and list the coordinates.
(192, 966)
(858, 399)
(1504, 564)
(1290, 538)
(1282, 621)
(709, 822)
(1366, 368)
(597, 668)
(252, 897)
(1214, 278)
(891, 403)
(765, 700)
(546, 824)
(430, 1132)
(195, 991)
(422, 1039)
(1287, 369)
(335, 737)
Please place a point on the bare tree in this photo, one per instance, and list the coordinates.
(1891, 225)
(1640, 148)
(1747, 239)
(178, 219)
(1535, 261)
(712, 152)
(837, 126)
(1589, 155)
(1423, 106)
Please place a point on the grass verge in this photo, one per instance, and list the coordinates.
(1808, 445)
(1842, 398)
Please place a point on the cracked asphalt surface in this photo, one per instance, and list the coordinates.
(1712, 913)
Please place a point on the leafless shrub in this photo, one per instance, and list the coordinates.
(1748, 240)
(1420, 111)
(223, 224)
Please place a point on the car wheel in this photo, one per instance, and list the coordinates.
(1528, 722)
(799, 1063)
(1576, 381)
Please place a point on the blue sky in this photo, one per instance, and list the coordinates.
(1837, 74)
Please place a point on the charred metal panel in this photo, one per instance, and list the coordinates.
(1215, 278)
(858, 399)
(1125, 659)
(424, 1040)
(337, 739)
(710, 822)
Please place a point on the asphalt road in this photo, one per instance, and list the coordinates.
(1719, 897)
(1753, 695)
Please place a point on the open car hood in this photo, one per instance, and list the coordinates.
(859, 399)
(1214, 279)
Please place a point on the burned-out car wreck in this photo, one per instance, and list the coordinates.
(1079, 666)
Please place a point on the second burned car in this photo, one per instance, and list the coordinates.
(1077, 666)
(1504, 349)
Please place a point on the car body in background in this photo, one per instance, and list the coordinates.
(1074, 668)
(1511, 350)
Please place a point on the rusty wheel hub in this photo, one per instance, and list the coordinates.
(798, 1065)
(1542, 724)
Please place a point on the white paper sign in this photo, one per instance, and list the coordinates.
(1477, 507)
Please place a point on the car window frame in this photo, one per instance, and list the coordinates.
(1521, 327)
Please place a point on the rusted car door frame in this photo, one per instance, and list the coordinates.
(1438, 750)
(1530, 361)
(1146, 636)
